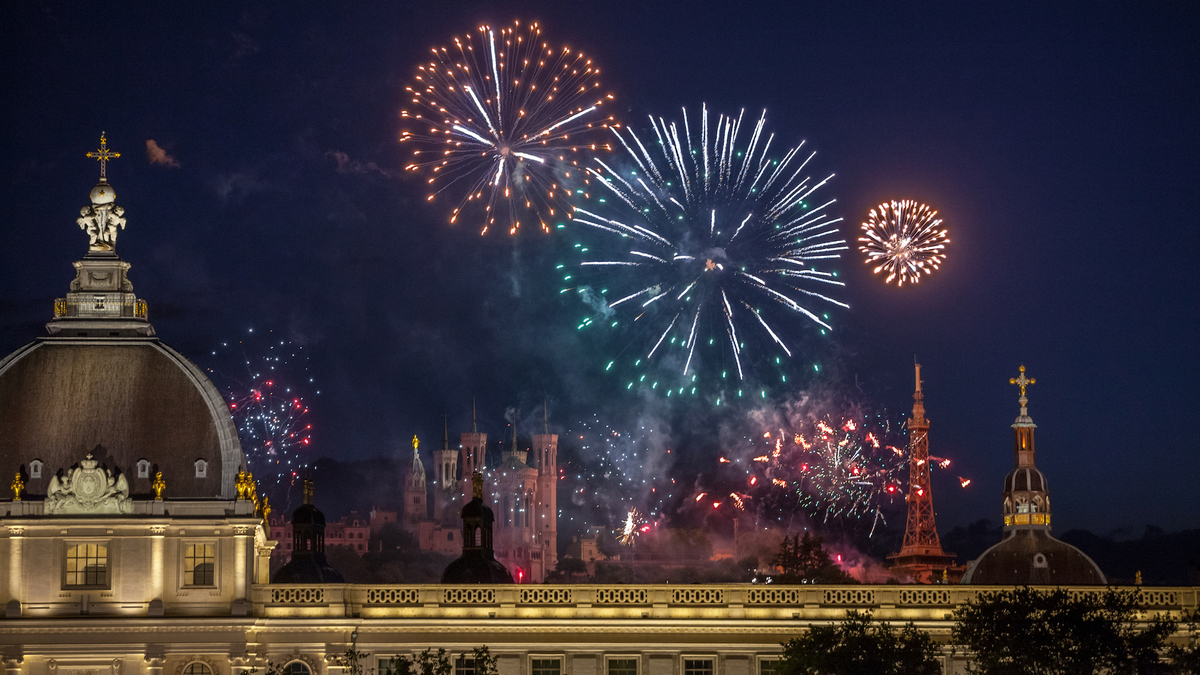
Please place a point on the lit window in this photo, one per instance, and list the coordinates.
(767, 666)
(87, 565)
(199, 568)
(197, 668)
(35, 468)
(546, 667)
(697, 667)
(143, 471)
(464, 666)
(296, 668)
(622, 666)
(201, 468)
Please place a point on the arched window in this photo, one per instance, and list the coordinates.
(197, 668)
(35, 469)
(297, 668)
(143, 471)
(201, 468)
(199, 565)
(479, 537)
(450, 535)
(87, 565)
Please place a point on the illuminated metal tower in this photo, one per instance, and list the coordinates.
(921, 557)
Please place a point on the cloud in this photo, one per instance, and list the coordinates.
(157, 155)
(346, 165)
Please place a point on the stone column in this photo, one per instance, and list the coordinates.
(241, 562)
(15, 562)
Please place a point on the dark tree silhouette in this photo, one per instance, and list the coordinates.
(860, 646)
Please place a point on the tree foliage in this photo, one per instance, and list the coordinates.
(805, 560)
(1027, 631)
(860, 646)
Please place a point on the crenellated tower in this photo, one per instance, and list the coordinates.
(921, 557)
(474, 454)
(545, 447)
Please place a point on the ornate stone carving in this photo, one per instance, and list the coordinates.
(88, 489)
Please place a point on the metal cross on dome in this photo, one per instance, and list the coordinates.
(103, 154)
(1022, 381)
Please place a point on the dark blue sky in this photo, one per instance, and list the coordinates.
(1058, 141)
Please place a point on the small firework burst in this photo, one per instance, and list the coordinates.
(904, 240)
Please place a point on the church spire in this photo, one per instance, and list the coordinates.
(445, 431)
(474, 426)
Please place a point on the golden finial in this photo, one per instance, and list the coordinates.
(477, 485)
(266, 510)
(1137, 578)
(102, 155)
(18, 484)
(415, 442)
(159, 485)
(1022, 381)
(309, 488)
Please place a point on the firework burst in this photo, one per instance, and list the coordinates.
(632, 527)
(262, 379)
(705, 247)
(847, 468)
(903, 240)
(499, 119)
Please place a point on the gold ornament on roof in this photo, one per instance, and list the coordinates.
(414, 443)
(242, 485)
(18, 484)
(266, 510)
(159, 485)
(1022, 381)
(477, 485)
(309, 488)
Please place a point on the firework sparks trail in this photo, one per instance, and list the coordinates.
(903, 239)
(500, 118)
(632, 528)
(837, 468)
(268, 407)
(714, 248)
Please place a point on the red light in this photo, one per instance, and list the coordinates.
(716, 505)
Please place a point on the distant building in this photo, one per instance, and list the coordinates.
(352, 532)
(523, 491)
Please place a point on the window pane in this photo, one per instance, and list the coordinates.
(296, 668)
(698, 667)
(767, 666)
(464, 666)
(387, 666)
(199, 565)
(87, 565)
(197, 668)
(622, 667)
(546, 667)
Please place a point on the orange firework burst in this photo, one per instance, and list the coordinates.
(500, 116)
(903, 239)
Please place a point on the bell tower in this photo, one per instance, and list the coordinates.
(1026, 494)
(921, 557)
(474, 452)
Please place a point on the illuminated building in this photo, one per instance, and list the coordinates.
(104, 571)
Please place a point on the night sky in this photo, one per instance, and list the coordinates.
(1059, 142)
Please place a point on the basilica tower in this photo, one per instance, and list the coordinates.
(474, 455)
(415, 491)
(545, 445)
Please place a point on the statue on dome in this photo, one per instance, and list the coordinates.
(102, 218)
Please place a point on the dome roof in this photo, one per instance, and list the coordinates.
(473, 567)
(308, 514)
(477, 510)
(307, 569)
(1033, 557)
(1025, 479)
(124, 400)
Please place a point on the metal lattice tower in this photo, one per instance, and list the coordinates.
(921, 556)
